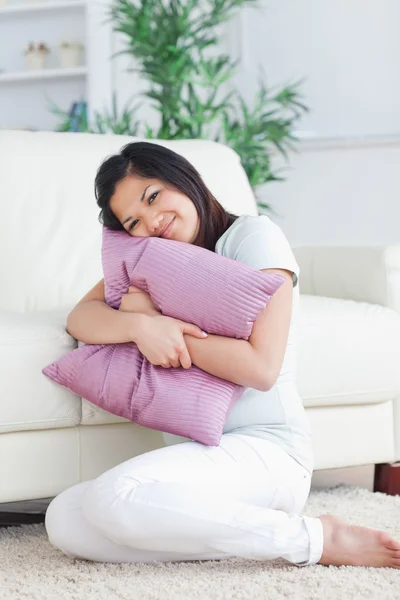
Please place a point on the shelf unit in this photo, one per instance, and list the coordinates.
(17, 76)
(25, 92)
(44, 5)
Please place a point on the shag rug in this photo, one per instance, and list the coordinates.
(31, 568)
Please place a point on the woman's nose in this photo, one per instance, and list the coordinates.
(153, 222)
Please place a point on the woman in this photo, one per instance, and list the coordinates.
(188, 501)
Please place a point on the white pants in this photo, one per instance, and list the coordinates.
(191, 502)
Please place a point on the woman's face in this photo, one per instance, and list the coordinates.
(145, 207)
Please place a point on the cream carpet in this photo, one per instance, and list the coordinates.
(30, 568)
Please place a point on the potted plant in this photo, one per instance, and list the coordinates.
(174, 47)
(36, 54)
(70, 54)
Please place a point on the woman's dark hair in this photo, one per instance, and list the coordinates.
(152, 161)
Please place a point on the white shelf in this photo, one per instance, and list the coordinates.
(12, 8)
(42, 74)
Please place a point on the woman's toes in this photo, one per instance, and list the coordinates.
(396, 564)
(391, 543)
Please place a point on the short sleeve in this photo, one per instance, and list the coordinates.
(259, 243)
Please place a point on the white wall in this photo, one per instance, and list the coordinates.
(340, 194)
(346, 188)
(348, 53)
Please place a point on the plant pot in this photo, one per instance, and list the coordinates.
(70, 57)
(35, 60)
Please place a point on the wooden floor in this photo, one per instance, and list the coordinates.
(33, 511)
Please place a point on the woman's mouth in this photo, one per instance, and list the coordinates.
(165, 232)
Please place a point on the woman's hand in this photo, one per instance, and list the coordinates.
(160, 339)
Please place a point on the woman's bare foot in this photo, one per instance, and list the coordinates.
(358, 546)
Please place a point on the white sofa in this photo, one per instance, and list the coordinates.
(50, 439)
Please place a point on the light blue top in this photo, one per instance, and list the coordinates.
(278, 414)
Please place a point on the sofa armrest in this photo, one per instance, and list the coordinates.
(364, 274)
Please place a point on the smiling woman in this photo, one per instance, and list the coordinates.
(150, 190)
(188, 501)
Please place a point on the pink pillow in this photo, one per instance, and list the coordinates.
(220, 295)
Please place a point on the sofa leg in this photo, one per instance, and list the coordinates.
(387, 478)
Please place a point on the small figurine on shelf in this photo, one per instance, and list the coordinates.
(70, 54)
(36, 55)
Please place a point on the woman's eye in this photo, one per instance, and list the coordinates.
(153, 197)
(132, 225)
(150, 200)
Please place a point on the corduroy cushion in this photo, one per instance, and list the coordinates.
(220, 295)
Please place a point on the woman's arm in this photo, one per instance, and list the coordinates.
(228, 358)
(255, 363)
(94, 322)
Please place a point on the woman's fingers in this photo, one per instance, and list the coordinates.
(191, 329)
(184, 358)
(175, 363)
